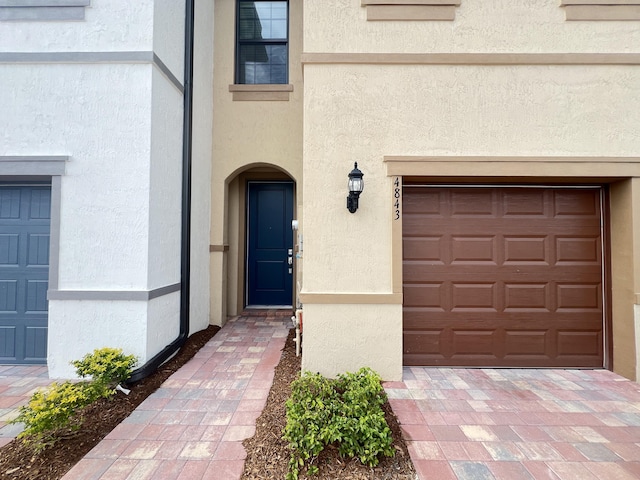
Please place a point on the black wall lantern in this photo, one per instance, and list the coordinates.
(356, 185)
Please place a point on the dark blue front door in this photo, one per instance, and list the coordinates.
(25, 213)
(269, 244)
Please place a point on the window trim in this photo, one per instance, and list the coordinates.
(238, 42)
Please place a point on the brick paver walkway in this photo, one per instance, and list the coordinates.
(17, 384)
(460, 424)
(495, 424)
(193, 426)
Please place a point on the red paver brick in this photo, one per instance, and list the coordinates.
(572, 471)
(194, 470)
(609, 471)
(540, 470)
(448, 433)
(424, 450)
(454, 451)
(417, 432)
(440, 470)
(509, 471)
(230, 451)
(477, 452)
(568, 452)
(227, 469)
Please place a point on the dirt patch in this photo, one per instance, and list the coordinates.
(268, 454)
(19, 462)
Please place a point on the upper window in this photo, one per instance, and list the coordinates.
(262, 36)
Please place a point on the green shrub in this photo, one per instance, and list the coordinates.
(106, 367)
(55, 407)
(346, 412)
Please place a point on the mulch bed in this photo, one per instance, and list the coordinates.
(268, 454)
(18, 461)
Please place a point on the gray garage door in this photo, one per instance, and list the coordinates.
(25, 212)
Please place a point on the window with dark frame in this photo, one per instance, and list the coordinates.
(262, 37)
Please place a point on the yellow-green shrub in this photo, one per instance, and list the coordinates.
(55, 407)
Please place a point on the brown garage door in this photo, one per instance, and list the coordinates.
(503, 277)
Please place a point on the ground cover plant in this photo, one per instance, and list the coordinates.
(21, 461)
(51, 409)
(268, 453)
(345, 412)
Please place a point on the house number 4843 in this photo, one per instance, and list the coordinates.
(396, 198)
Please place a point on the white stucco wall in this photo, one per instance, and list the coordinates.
(202, 152)
(77, 328)
(120, 123)
(162, 325)
(168, 34)
(165, 182)
(99, 115)
(109, 25)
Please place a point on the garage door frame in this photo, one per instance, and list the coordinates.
(43, 170)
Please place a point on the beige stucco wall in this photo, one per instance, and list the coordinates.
(367, 109)
(248, 136)
(504, 26)
(345, 334)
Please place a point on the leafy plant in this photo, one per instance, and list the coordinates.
(106, 367)
(346, 411)
(56, 406)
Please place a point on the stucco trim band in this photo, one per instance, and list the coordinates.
(218, 248)
(472, 58)
(601, 10)
(364, 3)
(351, 298)
(115, 295)
(576, 167)
(261, 92)
(93, 57)
(42, 10)
(410, 10)
(411, 13)
(33, 165)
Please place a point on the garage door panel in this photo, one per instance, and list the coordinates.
(474, 249)
(576, 203)
(472, 202)
(474, 297)
(8, 296)
(35, 343)
(529, 203)
(424, 248)
(579, 343)
(503, 277)
(521, 249)
(425, 295)
(10, 203)
(578, 250)
(526, 343)
(425, 341)
(474, 343)
(7, 343)
(527, 297)
(9, 249)
(582, 297)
